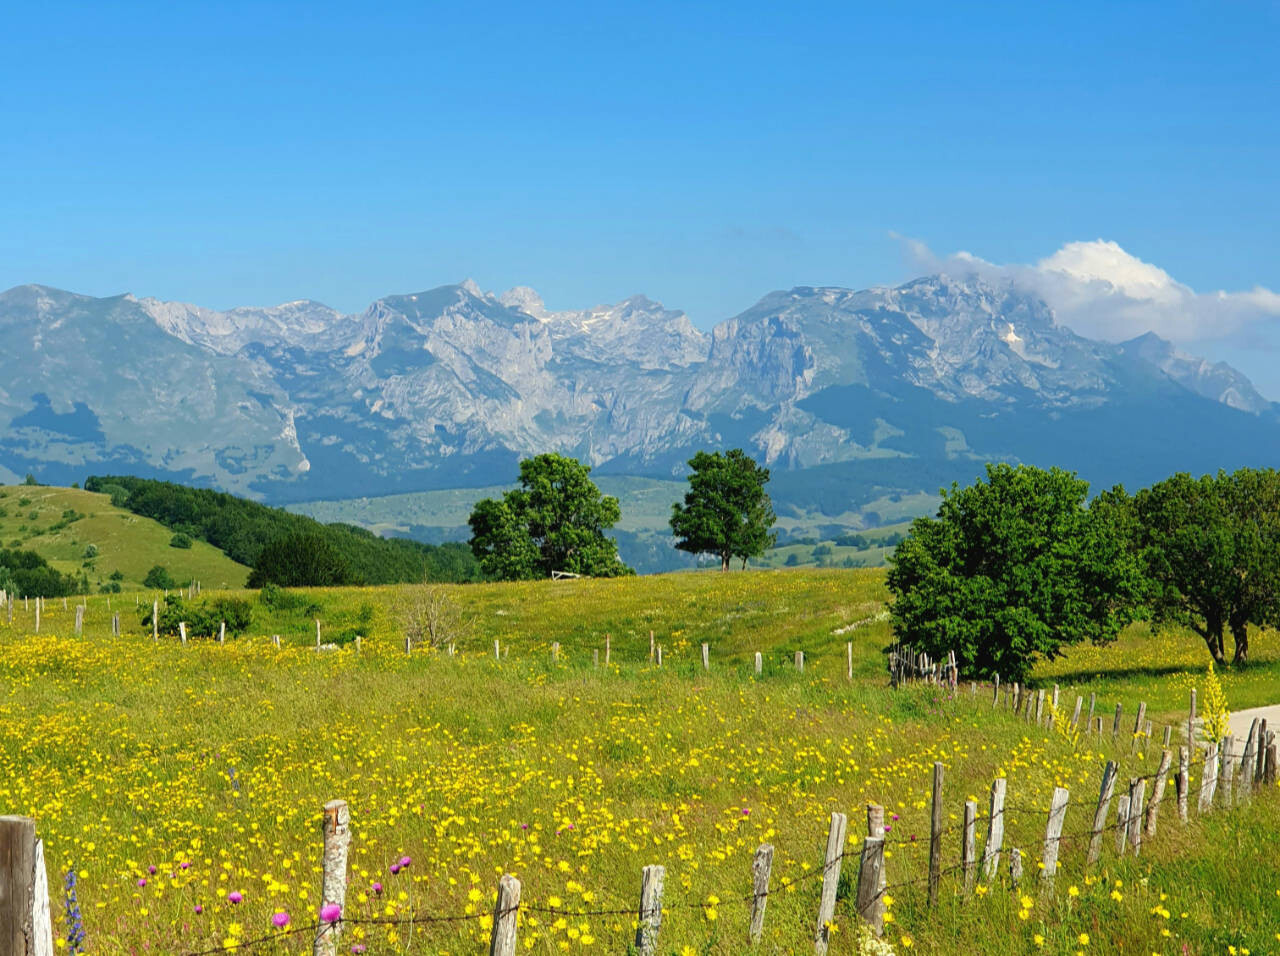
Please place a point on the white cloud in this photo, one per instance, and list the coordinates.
(1101, 291)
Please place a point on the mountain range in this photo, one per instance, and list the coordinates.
(847, 395)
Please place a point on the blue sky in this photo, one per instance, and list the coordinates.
(250, 154)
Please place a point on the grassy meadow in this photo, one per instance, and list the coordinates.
(59, 524)
(174, 780)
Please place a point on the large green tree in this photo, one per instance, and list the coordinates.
(300, 560)
(1211, 546)
(1015, 568)
(726, 511)
(554, 521)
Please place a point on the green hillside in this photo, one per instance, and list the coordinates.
(60, 524)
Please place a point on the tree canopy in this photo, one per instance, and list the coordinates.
(1211, 549)
(1015, 568)
(554, 521)
(300, 560)
(726, 511)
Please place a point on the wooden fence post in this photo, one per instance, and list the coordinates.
(1262, 747)
(1157, 792)
(155, 619)
(1015, 867)
(1137, 793)
(871, 881)
(1137, 724)
(506, 909)
(1209, 779)
(759, 664)
(1248, 760)
(995, 692)
(1075, 714)
(848, 660)
(1115, 727)
(706, 657)
(595, 658)
(652, 657)
(608, 649)
(408, 644)
(1269, 771)
(800, 661)
(659, 655)
(1122, 822)
(317, 632)
(333, 890)
(1191, 723)
(497, 653)
(25, 925)
(1053, 834)
(650, 917)
(1182, 783)
(1227, 770)
(222, 632)
(37, 615)
(935, 835)
(182, 631)
(969, 844)
(1100, 814)
(1093, 699)
(995, 829)
(830, 881)
(275, 640)
(761, 867)
(555, 652)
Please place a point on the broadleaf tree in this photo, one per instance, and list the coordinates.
(726, 511)
(1211, 546)
(1013, 569)
(554, 521)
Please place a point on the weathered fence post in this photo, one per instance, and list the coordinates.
(652, 657)
(1137, 793)
(1122, 822)
(1269, 771)
(759, 664)
(155, 619)
(969, 844)
(848, 660)
(800, 661)
(275, 640)
(333, 889)
(1115, 727)
(761, 867)
(1053, 834)
(182, 631)
(25, 926)
(935, 835)
(659, 655)
(1209, 779)
(1248, 760)
(830, 881)
(1100, 814)
(408, 644)
(995, 829)
(1168, 736)
(608, 649)
(1137, 724)
(871, 880)
(1015, 867)
(317, 632)
(1191, 723)
(555, 652)
(1075, 714)
(506, 910)
(706, 657)
(995, 692)
(80, 618)
(1183, 782)
(497, 653)
(222, 632)
(1157, 792)
(1262, 747)
(595, 657)
(1227, 769)
(650, 917)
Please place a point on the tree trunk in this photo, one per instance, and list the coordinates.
(1212, 635)
(724, 561)
(1240, 634)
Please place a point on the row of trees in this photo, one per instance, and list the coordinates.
(1023, 564)
(555, 520)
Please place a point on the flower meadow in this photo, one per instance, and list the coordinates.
(179, 789)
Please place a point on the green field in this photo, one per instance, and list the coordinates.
(59, 524)
(133, 754)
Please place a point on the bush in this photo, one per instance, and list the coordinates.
(159, 579)
(180, 540)
(90, 551)
(111, 587)
(202, 617)
(432, 618)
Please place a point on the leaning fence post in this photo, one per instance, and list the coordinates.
(1137, 793)
(1183, 783)
(968, 844)
(1053, 834)
(935, 835)
(650, 917)
(182, 631)
(1262, 747)
(1075, 714)
(1157, 792)
(761, 867)
(1115, 727)
(995, 829)
(830, 881)
(502, 938)
(25, 925)
(333, 890)
(1248, 760)
(1191, 722)
(1227, 770)
(1100, 814)
(870, 897)
(1137, 724)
